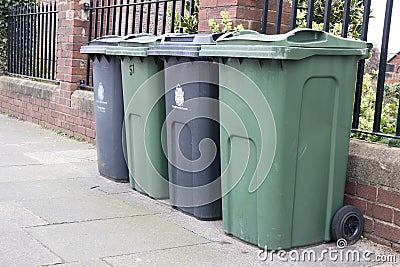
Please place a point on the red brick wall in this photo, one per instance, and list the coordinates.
(373, 186)
(47, 112)
(71, 35)
(381, 209)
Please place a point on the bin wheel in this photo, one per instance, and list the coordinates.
(347, 223)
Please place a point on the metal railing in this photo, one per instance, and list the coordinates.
(123, 17)
(32, 41)
(380, 87)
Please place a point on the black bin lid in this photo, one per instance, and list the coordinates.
(182, 45)
(99, 45)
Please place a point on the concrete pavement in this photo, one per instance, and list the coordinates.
(55, 210)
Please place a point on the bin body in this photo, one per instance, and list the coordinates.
(310, 94)
(108, 108)
(144, 103)
(191, 95)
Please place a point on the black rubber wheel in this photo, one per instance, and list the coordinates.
(348, 223)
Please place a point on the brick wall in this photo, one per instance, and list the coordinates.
(71, 35)
(39, 103)
(373, 186)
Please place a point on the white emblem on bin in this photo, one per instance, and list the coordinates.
(179, 96)
(100, 103)
(100, 92)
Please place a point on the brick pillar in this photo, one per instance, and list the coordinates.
(245, 12)
(72, 34)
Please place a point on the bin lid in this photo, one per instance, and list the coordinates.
(99, 45)
(134, 45)
(296, 44)
(182, 44)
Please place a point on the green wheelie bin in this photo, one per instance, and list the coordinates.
(285, 136)
(144, 103)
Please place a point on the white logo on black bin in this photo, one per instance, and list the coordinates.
(179, 96)
(100, 92)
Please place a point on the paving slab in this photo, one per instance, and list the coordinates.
(82, 208)
(65, 156)
(41, 189)
(23, 137)
(13, 215)
(16, 159)
(13, 131)
(196, 255)
(135, 198)
(211, 230)
(103, 238)
(18, 132)
(48, 172)
(19, 249)
(47, 145)
(87, 168)
(85, 263)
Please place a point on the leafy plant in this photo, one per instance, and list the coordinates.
(78, 138)
(226, 24)
(367, 108)
(188, 23)
(336, 18)
(4, 5)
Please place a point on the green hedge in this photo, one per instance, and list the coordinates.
(4, 5)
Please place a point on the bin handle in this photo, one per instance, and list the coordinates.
(106, 37)
(247, 32)
(303, 36)
(231, 34)
(136, 35)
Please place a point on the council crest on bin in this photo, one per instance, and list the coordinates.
(179, 96)
(100, 92)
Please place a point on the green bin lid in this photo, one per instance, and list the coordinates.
(296, 44)
(134, 45)
(100, 45)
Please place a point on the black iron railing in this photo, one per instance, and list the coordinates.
(345, 21)
(123, 17)
(32, 41)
